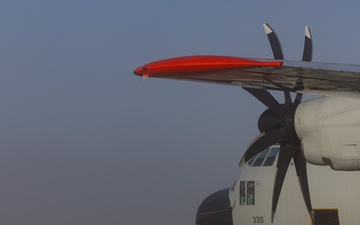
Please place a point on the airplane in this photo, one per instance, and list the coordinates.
(302, 167)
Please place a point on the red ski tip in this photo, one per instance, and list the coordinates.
(199, 64)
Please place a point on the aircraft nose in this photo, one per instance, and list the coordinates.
(215, 209)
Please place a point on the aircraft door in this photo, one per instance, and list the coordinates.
(326, 217)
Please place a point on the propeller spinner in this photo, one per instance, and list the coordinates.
(276, 125)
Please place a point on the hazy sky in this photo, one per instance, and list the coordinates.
(84, 141)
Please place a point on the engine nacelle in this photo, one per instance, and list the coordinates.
(329, 130)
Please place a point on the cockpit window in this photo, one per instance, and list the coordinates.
(271, 156)
(260, 158)
(252, 160)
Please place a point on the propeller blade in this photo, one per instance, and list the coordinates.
(308, 46)
(300, 165)
(268, 120)
(267, 99)
(287, 151)
(264, 140)
(298, 97)
(307, 56)
(287, 98)
(274, 42)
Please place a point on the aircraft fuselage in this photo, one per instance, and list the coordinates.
(334, 196)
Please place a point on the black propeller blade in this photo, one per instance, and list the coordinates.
(308, 46)
(307, 55)
(300, 165)
(274, 42)
(268, 120)
(276, 125)
(267, 99)
(286, 153)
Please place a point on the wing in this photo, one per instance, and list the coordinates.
(295, 76)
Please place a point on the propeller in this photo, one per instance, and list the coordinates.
(276, 125)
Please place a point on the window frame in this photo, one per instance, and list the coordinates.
(261, 158)
(270, 159)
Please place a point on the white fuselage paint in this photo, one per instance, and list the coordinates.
(329, 189)
(329, 130)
